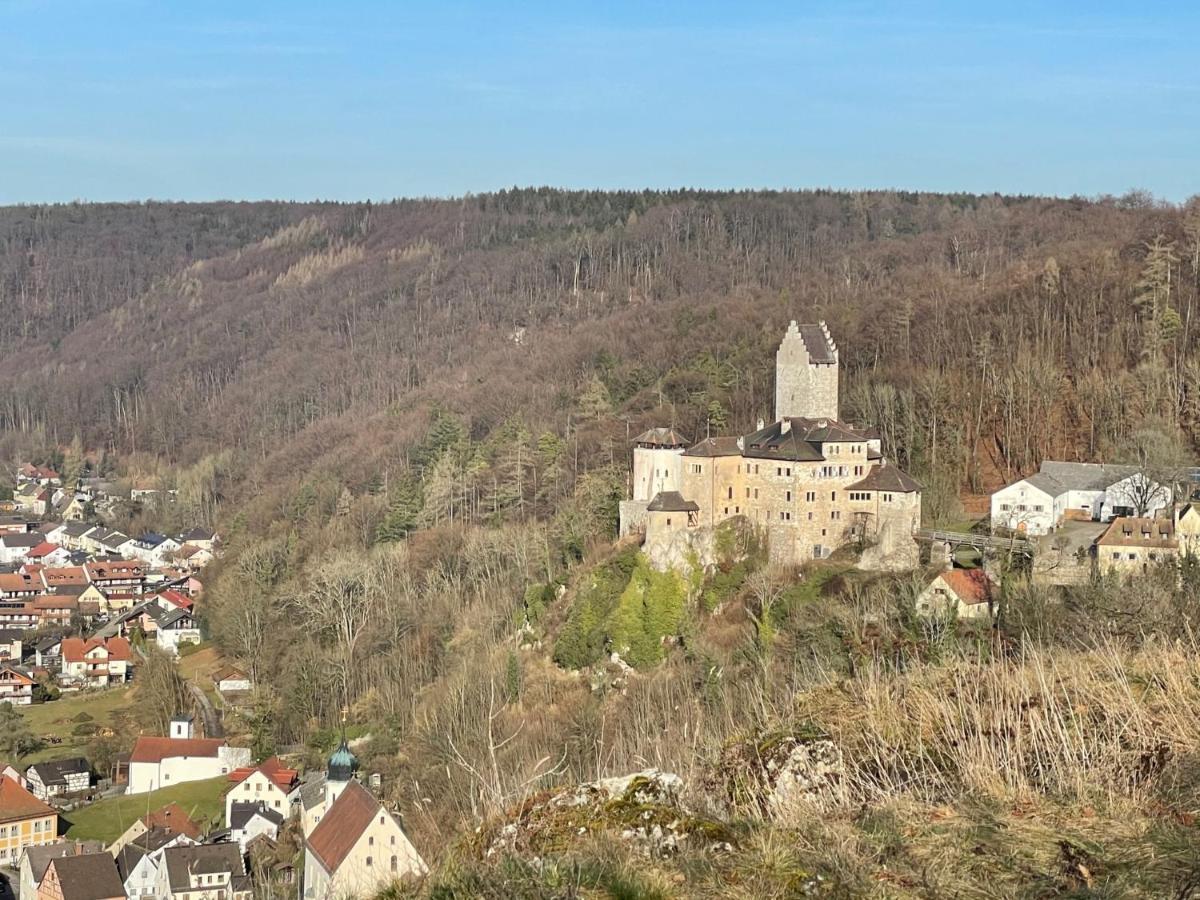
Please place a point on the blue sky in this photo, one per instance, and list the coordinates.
(205, 99)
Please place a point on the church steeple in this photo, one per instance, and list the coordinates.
(340, 769)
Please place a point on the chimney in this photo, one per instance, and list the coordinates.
(785, 426)
(761, 423)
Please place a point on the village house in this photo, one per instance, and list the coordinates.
(357, 848)
(203, 872)
(121, 581)
(155, 549)
(14, 547)
(16, 685)
(37, 474)
(808, 482)
(11, 645)
(231, 681)
(1135, 544)
(158, 762)
(171, 818)
(55, 779)
(47, 554)
(89, 876)
(33, 498)
(14, 585)
(25, 821)
(248, 821)
(96, 662)
(173, 627)
(1059, 491)
(141, 857)
(270, 784)
(54, 609)
(962, 593)
(35, 861)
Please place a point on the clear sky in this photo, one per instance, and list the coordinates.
(206, 99)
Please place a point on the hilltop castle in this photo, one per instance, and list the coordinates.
(808, 482)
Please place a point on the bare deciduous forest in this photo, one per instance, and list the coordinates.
(410, 421)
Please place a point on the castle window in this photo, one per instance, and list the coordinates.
(811, 496)
(737, 510)
(730, 497)
(756, 493)
(756, 468)
(810, 517)
(668, 520)
(747, 493)
(835, 514)
(368, 860)
(789, 496)
(858, 470)
(778, 471)
(833, 496)
(823, 532)
(789, 472)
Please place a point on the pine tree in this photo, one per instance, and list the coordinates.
(404, 509)
(594, 400)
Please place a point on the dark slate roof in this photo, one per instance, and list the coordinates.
(10, 634)
(820, 348)
(1085, 476)
(887, 478)
(90, 876)
(56, 772)
(205, 859)
(198, 534)
(715, 446)
(798, 439)
(240, 814)
(661, 437)
(132, 853)
(671, 501)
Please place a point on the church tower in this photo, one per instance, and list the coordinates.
(806, 373)
(342, 766)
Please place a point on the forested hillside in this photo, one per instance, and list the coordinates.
(410, 422)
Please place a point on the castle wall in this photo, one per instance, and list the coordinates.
(656, 470)
(805, 508)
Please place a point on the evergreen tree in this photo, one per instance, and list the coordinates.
(404, 509)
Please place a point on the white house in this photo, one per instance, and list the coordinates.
(357, 848)
(139, 859)
(174, 627)
(1083, 491)
(203, 872)
(158, 762)
(63, 776)
(270, 784)
(250, 820)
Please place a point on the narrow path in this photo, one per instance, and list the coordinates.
(212, 719)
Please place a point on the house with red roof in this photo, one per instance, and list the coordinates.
(25, 821)
(271, 784)
(16, 686)
(159, 762)
(95, 662)
(965, 593)
(357, 848)
(47, 554)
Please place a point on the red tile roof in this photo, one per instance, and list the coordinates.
(173, 818)
(75, 649)
(64, 575)
(16, 803)
(119, 569)
(283, 777)
(176, 599)
(13, 582)
(342, 825)
(45, 548)
(156, 749)
(971, 586)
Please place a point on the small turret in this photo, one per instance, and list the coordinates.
(339, 772)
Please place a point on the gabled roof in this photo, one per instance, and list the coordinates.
(15, 581)
(715, 446)
(40, 856)
(342, 825)
(156, 749)
(56, 772)
(115, 569)
(275, 771)
(90, 876)
(1086, 476)
(172, 818)
(176, 599)
(887, 478)
(59, 575)
(230, 672)
(240, 814)
(661, 438)
(198, 534)
(45, 548)
(19, 540)
(1134, 531)
(204, 859)
(17, 804)
(75, 649)
(970, 586)
(671, 501)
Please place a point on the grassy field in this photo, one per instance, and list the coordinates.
(58, 719)
(107, 820)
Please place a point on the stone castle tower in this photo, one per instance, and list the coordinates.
(806, 373)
